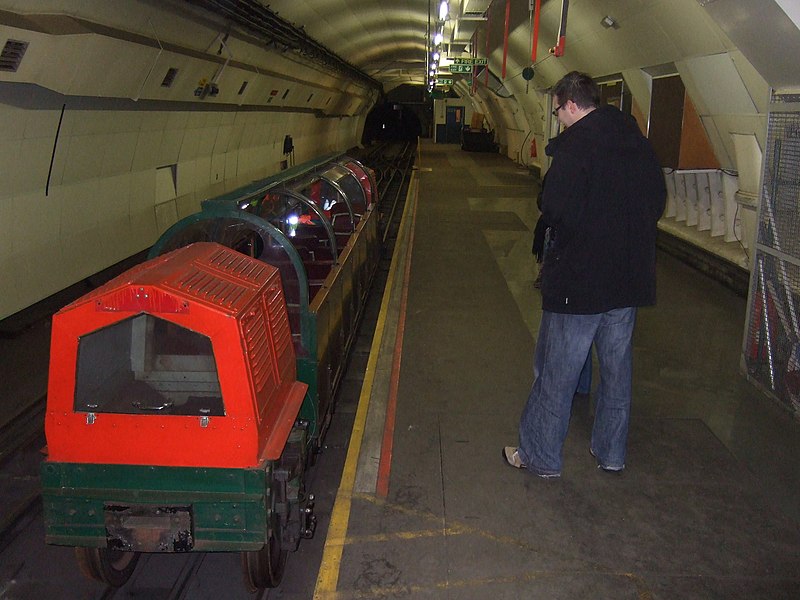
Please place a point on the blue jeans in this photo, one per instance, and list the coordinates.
(561, 353)
(585, 378)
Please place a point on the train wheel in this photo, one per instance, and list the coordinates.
(264, 568)
(112, 567)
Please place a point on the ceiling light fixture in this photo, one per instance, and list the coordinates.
(443, 10)
(437, 39)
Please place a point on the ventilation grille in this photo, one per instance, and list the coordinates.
(12, 55)
(256, 337)
(784, 98)
(772, 342)
(281, 334)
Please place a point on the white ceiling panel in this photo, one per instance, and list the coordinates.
(765, 34)
(708, 75)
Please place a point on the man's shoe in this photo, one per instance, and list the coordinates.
(511, 456)
(610, 469)
(606, 468)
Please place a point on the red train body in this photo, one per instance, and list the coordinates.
(156, 397)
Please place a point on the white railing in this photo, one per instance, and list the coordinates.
(704, 208)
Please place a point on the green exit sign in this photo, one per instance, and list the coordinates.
(444, 81)
(470, 61)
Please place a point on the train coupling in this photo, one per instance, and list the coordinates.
(308, 520)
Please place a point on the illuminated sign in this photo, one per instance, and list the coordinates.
(460, 68)
(470, 61)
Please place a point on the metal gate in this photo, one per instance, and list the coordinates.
(771, 350)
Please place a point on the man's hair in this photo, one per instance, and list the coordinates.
(578, 87)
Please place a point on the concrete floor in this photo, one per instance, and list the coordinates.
(708, 504)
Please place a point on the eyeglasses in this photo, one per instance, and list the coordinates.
(558, 108)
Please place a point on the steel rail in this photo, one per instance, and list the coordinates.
(404, 162)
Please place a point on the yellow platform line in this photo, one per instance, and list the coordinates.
(457, 528)
(407, 536)
(438, 587)
(328, 577)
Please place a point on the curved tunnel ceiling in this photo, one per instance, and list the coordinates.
(388, 39)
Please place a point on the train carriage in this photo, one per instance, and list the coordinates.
(188, 395)
(299, 221)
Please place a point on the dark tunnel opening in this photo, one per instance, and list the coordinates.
(392, 121)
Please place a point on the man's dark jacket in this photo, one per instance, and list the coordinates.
(605, 193)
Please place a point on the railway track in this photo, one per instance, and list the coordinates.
(392, 163)
(22, 428)
(20, 441)
(174, 584)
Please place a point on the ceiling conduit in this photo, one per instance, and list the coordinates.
(259, 19)
(558, 49)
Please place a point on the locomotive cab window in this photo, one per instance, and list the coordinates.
(146, 365)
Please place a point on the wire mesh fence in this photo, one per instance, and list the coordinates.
(772, 341)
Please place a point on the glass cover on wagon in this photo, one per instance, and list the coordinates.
(147, 366)
(252, 240)
(364, 176)
(303, 222)
(348, 182)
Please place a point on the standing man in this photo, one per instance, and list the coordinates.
(605, 193)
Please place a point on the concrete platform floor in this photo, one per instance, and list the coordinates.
(706, 508)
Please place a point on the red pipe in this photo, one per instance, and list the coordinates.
(474, 53)
(535, 31)
(488, 29)
(505, 37)
(387, 445)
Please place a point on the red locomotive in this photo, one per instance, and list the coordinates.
(172, 417)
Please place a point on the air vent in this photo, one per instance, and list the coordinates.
(242, 89)
(12, 55)
(169, 77)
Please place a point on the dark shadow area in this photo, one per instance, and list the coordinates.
(391, 121)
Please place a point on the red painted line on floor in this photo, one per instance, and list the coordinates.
(385, 464)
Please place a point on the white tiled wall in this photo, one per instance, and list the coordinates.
(101, 204)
